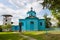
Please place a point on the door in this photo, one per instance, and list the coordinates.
(20, 26)
(31, 25)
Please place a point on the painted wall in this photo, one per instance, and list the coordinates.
(41, 24)
(36, 26)
(31, 27)
(15, 28)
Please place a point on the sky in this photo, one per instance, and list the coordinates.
(19, 8)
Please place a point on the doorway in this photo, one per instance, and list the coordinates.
(31, 25)
(20, 26)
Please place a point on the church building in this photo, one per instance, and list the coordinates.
(31, 22)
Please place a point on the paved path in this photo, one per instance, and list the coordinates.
(29, 38)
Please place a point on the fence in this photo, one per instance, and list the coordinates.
(49, 29)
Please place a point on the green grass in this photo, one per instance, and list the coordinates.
(39, 35)
(42, 35)
(11, 36)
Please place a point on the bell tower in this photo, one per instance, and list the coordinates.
(7, 19)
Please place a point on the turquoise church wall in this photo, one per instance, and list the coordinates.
(41, 26)
(15, 28)
(30, 26)
(23, 24)
(35, 27)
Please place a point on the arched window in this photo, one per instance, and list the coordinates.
(40, 23)
(31, 22)
(6, 20)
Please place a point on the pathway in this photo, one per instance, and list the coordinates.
(28, 37)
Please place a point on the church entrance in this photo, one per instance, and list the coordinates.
(20, 26)
(31, 25)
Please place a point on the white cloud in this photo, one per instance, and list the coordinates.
(23, 3)
(22, 7)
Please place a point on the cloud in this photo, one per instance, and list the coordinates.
(22, 6)
(23, 3)
(17, 14)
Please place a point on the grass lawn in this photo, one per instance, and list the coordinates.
(39, 35)
(42, 35)
(11, 36)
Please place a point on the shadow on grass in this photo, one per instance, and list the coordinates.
(11, 37)
(45, 36)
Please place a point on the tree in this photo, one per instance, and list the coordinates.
(47, 21)
(7, 27)
(57, 16)
(54, 6)
(0, 28)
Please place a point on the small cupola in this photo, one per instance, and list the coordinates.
(31, 13)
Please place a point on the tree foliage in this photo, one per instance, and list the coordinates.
(47, 21)
(54, 6)
(7, 27)
(0, 28)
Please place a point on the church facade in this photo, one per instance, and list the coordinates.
(31, 23)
